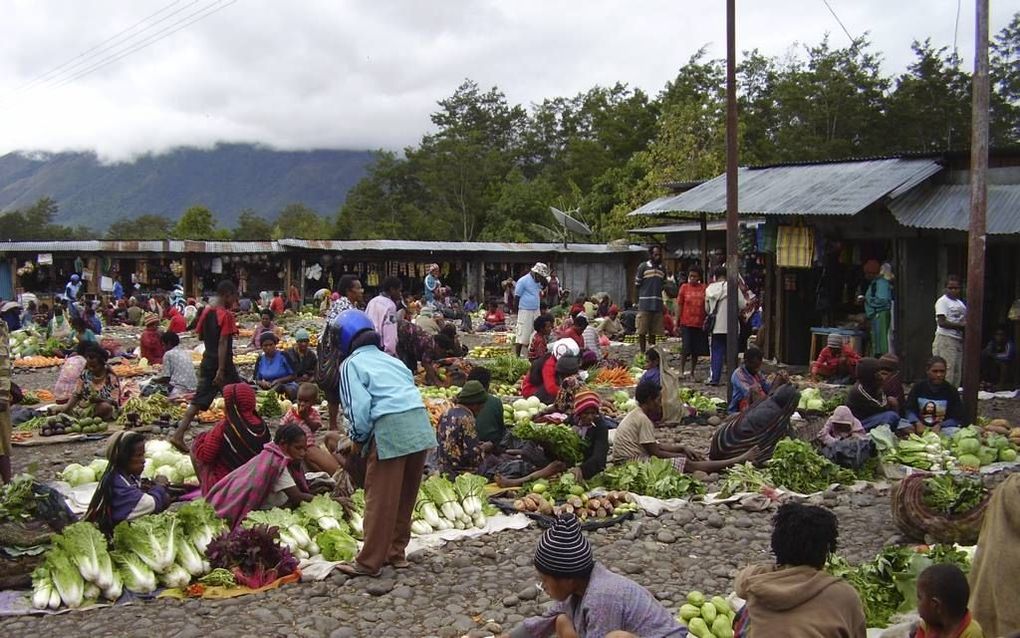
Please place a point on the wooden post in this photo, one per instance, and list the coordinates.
(301, 281)
(732, 261)
(704, 249)
(978, 207)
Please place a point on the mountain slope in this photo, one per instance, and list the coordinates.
(227, 179)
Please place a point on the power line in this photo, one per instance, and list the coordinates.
(97, 49)
(156, 37)
(853, 42)
(94, 62)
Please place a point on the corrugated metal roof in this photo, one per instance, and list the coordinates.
(947, 206)
(454, 246)
(838, 188)
(254, 247)
(693, 227)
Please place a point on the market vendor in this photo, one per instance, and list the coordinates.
(762, 426)
(428, 321)
(589, 423)
(122, 495)
(652, 374)
(933, 403)
(98, 387)
(272, 478)
(997, 359)
(134, 312)
(795, 596)
(233, 441)
(590, 599)
(265, 324)
(177, 322)
(10, 312)
(59, 327)
(414, 346)
(889, 364)
(611, 326)
(82, 332)
(844, 440)
(635, 437)
(150, 343)
(866, 399)
(539, 345)
(272, 369)
(178, 372)
(460, 449)
(749, 385)
(305, 415)
(837, 362)
(543, 379)
(302, 358)
(494, 319)
(489, 422)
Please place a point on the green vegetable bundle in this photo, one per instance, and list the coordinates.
(951, 495)
(698, 401)
(560, 441)
(149, 409)
(888, 584)
(744, 477)
(653, 477)
(18, 499)
(269, 404)
(508, 369)
(796, 466)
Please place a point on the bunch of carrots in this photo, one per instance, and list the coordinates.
(616, 377)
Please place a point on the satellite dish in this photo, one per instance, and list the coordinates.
(569, 223)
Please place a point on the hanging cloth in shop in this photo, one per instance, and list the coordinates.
(767, 234)
(795, 247)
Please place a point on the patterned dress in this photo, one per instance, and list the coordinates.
(459, 446)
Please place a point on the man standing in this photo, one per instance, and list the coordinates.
(950, 321)
(650, 279)
(382, 310)
(216, 328)
(118, 288)
(73, 288)
(527, 301)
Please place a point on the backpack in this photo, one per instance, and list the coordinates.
(327, 367)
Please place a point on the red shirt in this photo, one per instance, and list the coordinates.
(151, 346)
(276, 305)
(691, 302)
(549, 383)
(177, 323)
(495, 317)
(572, 333)
(827, 363)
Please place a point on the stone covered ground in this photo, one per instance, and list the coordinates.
(477, 587)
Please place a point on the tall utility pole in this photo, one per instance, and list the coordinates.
(732, 265)
(978, 206)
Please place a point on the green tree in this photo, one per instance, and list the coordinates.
(929, 109)
(196, 223)
(297, 221)
(252, 227)
(386, 204)
(1004, 65)
(143, 227)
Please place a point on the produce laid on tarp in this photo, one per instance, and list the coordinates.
(507, 368)
(149, 409)
(707, 618)
(970, 448)
(653, 477)
(887, 585)
(812, 401)
(943, 509)
(38, 361)
(797, 466)
(523, 411)
(700, 402)
(31, 342)
(442, 504)
(559, 441)
(161, 459)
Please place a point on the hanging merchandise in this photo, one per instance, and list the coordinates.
(795, 247)
(314, 272)
(79, 265)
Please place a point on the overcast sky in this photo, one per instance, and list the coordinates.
(366, 74)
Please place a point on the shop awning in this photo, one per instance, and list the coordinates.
(947, 207)
(692, 227)
(833, 188)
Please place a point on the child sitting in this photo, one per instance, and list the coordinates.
(304, 415)
(845, 441)
(942, 593)
(652, 374)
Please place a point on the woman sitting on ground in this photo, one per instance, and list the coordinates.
(652, 374)
(635, 437)
(795, 596)
(995, 569)
(749, 385)
(265, 324)
(866, 399)
(272, 478)
(460, 449)
(272, 368)
(543, 379)
(933, 403)
(178, 369)
(589, 423)
(82, 332)
(121, 494)
(539, 345)
(150, 343)
(233, 441)
(98, 389)
(590, 599)
(305, 415)
(762, 426)
(495, 319)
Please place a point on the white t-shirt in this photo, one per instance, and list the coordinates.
(954, 311)
(278, 496)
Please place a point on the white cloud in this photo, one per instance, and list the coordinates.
(362, 74)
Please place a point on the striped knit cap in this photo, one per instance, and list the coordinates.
(563, 551)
